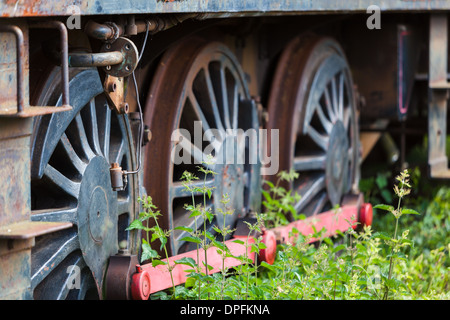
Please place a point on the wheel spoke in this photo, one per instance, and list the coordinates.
(123, 205)
(212, 99)
(224, 91)
(93, 127)
(319, 139)
(335, 97)
(347, 116)
(198, 110)
(66, 214)
(327, 125)
(309, 162)
(235, 106)
(329, 105)
(75, 266)
(308, 190)
(83, 138)
(341, 97)
(177, 189)
(79, 165)
(104, 124)
(118, 152)
(61, 248)
(61, 181)
(201, 116)
(320, 204)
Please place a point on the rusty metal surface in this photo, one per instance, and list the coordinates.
(20, 67)
(14, 207)
(438, 95)
(395, 49)
(14, 170)
(19, 106)
(100, 59)
(31, 229)
(118, 278)
(32, 8)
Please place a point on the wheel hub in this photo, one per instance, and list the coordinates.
(337, 160)
(97, 217)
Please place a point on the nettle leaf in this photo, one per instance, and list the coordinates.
(163, 242)
(220, 245)
(210, 267)
(384, 207)
(186, 261)
(157, 262)
(190, 282)
(147, 252)
(195, 213)
(183, 228)
(191, 239)
(339, 248)
(409, 211)
(239, 241)
(262, 245)
(135, 225)
(273, 268)
(209, 215)
(381, 235)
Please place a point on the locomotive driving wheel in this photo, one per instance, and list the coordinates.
(198, 95)
(70, 160)
(313, 106)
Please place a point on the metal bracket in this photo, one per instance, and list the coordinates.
(24, 111)
(438, 95)
(115, 92)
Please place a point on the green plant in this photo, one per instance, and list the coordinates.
(401, 190)
(357, 264)
(279, 202)
(150, 213)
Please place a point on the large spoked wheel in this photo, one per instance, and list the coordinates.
(313, 106)
(198, 88)
(70, 160)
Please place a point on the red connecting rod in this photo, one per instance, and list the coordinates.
(149, 279)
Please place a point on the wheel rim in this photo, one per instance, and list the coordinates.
(315, 115)
(71, 156)
(206, 84)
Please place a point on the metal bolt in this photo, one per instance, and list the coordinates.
(112, 87)
(124, 107)
(147, 135)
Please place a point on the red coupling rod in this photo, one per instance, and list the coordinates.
(149, 279)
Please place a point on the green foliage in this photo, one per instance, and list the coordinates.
(405, 255)
(279, 202)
